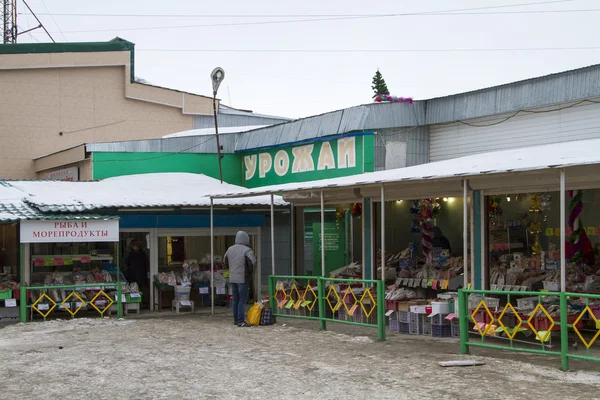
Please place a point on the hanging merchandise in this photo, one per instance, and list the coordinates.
(356, 210)
(426, 219)
(340, 212)
(494, 210)
(535, 226)
(546, 204)
(577, 231)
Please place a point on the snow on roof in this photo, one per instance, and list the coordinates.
(211, 131)
(557, 155)
(133, 191)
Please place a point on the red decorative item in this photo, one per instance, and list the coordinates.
(356, 210)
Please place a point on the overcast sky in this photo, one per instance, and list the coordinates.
(297, 84)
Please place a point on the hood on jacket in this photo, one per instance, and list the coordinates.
(242, 238)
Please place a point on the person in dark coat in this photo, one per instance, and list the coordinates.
(137, 266)
(240, 260)
(439, 240)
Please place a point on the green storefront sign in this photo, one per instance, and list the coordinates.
(339, 156)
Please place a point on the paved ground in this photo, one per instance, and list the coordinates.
(203, 357)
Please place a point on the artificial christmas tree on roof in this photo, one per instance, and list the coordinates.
(379, 86)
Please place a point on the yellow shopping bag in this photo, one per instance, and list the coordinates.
(254, 314)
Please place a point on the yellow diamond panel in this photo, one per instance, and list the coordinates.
(337, 297)
(294, 291)
(373, 302)
(43, 296)
(81, 303)
(532, 316)
(308, 290)
(107, 307)
(507, 307)
(489, 313)
(346, 293)
(591, 342)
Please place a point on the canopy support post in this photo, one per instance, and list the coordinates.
(212, 258)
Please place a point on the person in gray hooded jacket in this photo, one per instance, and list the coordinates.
(240, 260)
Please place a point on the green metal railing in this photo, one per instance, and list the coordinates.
(540, 322)
(44, 304)
(300, 300)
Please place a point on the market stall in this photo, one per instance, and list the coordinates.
(71, 266)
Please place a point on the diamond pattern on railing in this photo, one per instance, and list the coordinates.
(108, 305)
(372, 302)
(596, 325)
(515, 329)
(337, 298)
(81, 303)
(43, 296)
(352, 308)
(477, 324)
(533, 314)
(313, 302)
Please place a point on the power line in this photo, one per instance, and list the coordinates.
(55, 23)
(307, 15)
(339, 18)
(370, 50)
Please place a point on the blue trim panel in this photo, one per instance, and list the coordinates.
(191, 221)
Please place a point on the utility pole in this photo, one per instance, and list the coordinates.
(8, 12)
(8, 19)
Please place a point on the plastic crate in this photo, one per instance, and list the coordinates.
(441, 330)
(425, 325)
(6, 294)
(394, 326)
(439, 319)
(182, 293)
(408, 328)
(403, 316)
(130, 299)
(454, 328)
(414, 318)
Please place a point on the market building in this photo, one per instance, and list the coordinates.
(58, 229)
(373, 137)
(55, 97)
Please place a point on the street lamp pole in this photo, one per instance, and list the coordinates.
(217, 77)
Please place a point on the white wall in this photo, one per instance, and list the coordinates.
(526, 129)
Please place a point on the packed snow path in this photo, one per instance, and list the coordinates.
(202, 357)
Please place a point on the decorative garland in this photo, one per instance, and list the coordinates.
(494, 210)
(392, 99)
(575, 208)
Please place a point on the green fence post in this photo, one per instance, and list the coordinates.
(564, 332)
(463, 320)
(321, 299)
(271, 292)
(119, 300)
(380, 310)
(23, 303)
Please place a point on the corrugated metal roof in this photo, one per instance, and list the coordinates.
(582, 83)
(557, 155)
(14, 207)
(132, 191)
(187, 144)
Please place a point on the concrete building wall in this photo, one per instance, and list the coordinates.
(47, 110)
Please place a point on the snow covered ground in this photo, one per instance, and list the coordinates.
(203, 357)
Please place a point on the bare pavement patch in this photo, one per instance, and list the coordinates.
(203, 357)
